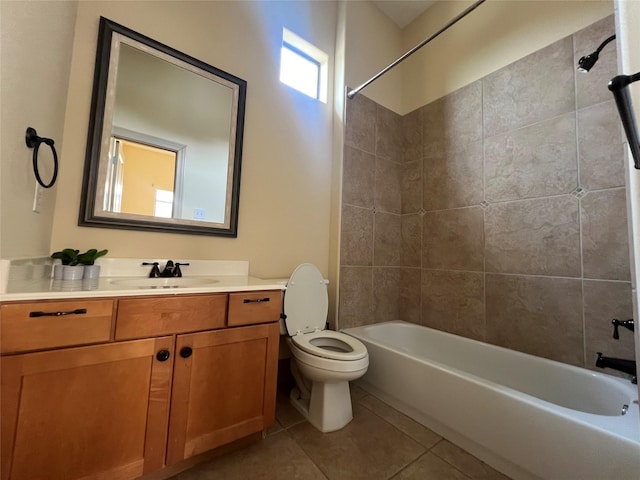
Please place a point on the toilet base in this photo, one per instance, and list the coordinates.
(328, 409)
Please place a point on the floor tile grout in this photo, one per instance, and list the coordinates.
(320, 452)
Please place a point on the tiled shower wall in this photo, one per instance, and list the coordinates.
(497, 212)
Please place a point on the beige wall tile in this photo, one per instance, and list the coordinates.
(536, 87)
(604, 301)
(388, 179)
(533, 161)
(389, 137)
(356, 247)
(411, 195)
(452, 120)
(454, 302)
(386, 293)
(454, 239)
(356, 297)
(600, 147)
(592, 87)
(360, 130)
(539, 237)
(453, 177)
(410, 293)
(537, 315)
(412, 135)
(358, 178)
(387, 239)
(411, 249)
(605, 241)
(516, 137)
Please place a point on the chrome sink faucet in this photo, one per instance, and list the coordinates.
(170, 269)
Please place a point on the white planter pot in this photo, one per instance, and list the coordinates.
(91, 271)
(57, 271)
(72, 272)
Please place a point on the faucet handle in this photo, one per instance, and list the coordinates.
(176, 270)
(629, 324)
(155, 271)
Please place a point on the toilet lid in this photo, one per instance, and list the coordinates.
(305, 300)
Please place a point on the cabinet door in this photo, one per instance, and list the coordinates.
(87, 413)
(224, 388)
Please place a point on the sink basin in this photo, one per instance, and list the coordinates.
(169, 282)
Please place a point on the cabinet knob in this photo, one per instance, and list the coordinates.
(163, 355)
(185, 352)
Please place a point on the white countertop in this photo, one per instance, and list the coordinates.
(31, 280)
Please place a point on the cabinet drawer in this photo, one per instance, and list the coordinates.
(39, 325)
(248, 308)
(154, 316)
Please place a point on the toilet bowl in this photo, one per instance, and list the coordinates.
(324, 361)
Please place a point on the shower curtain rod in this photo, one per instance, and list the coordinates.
(355, 91)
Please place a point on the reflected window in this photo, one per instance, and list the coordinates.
(164, 203)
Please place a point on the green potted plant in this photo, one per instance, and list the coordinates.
(68, 258)
(88, 259)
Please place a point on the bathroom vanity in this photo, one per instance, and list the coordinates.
(115, 385)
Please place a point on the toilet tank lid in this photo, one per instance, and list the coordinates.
(305, 300)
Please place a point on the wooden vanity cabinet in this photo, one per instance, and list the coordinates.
(151, 381)
(54, 324)
(154, 316)
(96, 412)
(224, 388)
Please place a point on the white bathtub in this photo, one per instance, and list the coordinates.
(529, 417)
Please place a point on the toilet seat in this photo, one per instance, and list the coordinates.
(306, 305)
(315, 343)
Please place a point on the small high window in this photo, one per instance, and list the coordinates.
(303, 66)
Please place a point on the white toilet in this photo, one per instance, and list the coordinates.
(323, 361)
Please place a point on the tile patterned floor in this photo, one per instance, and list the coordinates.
(379, 444)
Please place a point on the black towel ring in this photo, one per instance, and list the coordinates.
(33, 141)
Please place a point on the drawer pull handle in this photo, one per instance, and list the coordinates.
(256, 300)
(77, 311)
(185, 352)
(163, 355)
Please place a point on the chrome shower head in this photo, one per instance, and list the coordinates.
(587, 62)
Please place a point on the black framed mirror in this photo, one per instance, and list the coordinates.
(164, 147)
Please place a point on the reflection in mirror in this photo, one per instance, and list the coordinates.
(165, 139)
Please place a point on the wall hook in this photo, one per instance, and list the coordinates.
(33, 141)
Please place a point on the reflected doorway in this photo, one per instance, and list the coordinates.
(144, 176)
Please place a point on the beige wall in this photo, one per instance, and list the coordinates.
(491, 37)
(35, 58)
(372, 42)
(286, 170)
(494, 35)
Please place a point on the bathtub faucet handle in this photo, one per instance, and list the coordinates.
(621, 323)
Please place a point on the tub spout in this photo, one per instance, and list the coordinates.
(626, 366)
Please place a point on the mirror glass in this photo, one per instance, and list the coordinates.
(165, 139)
